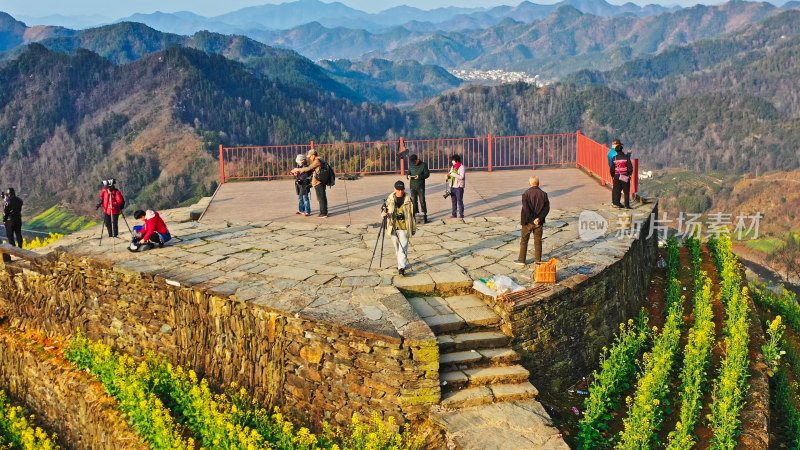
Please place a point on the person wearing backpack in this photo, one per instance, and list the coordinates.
(621, 171)
(317, 183)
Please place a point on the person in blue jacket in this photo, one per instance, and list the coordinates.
(613, 152)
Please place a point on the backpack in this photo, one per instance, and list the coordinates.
(326, 174)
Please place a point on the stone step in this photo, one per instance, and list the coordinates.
(472, 341)
(446, 323)
(484, 395)
(466, 359)
(482, 376)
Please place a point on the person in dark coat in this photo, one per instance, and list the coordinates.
(535, 207)
(417, 174)
(112, 202)
(621, 171)
(12, 217)
(302, 186)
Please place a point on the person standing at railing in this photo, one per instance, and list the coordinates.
(417, 174)
(302, 185)
(319, 187)
(457, 180)
(621, 171)
(613, 152)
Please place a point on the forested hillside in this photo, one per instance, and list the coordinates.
(68, 121)
(725, 130)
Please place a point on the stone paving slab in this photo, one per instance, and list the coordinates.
(517, 425)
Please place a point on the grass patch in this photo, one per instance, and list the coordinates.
(60, 220)
(767, 245)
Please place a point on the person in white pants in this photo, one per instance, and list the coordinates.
(400, 223)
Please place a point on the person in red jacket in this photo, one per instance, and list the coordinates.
(112, 202)
(153, 232)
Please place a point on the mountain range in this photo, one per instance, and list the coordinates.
(335, 14)
(377, 81)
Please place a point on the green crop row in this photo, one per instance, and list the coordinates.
(730, 387)
(646, 407)
(163, 403)
(697, 356)
(787, 414)
(617, 369)
(16, 430)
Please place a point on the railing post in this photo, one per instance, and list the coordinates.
(578, 149)
(221, 166)
(402, 159)
(490, 152)
(635, 181)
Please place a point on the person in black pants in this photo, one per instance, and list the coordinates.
(417, 174)
(12, 217)
(621, 171)
(535, 207)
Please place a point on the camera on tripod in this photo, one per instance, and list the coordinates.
(109, 182)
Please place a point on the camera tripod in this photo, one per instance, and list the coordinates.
(382, 238)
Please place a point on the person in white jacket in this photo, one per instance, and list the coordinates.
(457, 180)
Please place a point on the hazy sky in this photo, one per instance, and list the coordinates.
(116, 9)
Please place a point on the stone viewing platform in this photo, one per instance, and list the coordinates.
(285, 305)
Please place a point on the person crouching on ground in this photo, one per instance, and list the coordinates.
(302, 185)
(535, 207)
(621, 173)
(153, 232)
(400, 223)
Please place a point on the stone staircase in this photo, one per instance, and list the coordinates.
(476, 363)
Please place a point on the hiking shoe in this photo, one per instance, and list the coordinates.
(306, 214)
(298, 212)
(401, 272)
(323, 216)
(519, 263)
(617, 205)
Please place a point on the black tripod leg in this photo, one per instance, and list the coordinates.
(380, 263)
(372, 258)
(126, 222)
(102, 228)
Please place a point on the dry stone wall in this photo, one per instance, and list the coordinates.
(560, 333)
(65, 401)
(315, 370)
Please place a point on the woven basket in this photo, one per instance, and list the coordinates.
(545, 272)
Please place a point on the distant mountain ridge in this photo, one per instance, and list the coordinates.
(569, 40)
(289, 15)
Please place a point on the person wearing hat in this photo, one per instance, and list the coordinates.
(12, 217)
(302, 186)
(400, 223)
(621, 170)
(319, 187)
(417, 174)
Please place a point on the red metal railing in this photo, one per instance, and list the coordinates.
(593, 157)
(373, 158)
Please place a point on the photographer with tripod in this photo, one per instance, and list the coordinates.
(398, 213)
(113, 203)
